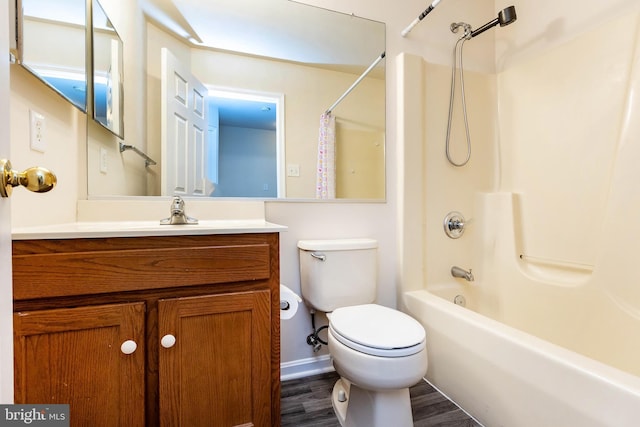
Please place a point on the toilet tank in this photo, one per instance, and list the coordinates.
(338, 273)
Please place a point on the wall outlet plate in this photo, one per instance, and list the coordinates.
(37, 131)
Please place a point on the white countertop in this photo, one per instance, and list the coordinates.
(80, 230)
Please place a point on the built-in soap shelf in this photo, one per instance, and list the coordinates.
(571, 265)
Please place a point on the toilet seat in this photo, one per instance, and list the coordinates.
(378, 331)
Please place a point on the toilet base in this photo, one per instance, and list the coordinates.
(366, 408)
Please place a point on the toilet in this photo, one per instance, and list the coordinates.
(377, 351)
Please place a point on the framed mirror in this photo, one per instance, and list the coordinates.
(298, 59)
(107, 52)
(51, 44)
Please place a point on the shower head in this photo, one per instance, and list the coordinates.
(505, 17)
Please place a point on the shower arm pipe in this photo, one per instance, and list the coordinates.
(485, 27)
(356, 83)
(420, 18)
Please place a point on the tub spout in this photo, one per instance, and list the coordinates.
(462, 273)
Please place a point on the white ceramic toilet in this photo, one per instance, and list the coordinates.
(377, 351)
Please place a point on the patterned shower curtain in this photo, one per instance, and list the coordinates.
(326, 170)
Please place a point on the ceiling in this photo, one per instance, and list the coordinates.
(71, 11)
(281, 29)
(245, 113)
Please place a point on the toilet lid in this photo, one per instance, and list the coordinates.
(377, 330)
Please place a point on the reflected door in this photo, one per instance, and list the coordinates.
(184, 125)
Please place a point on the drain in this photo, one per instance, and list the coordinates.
(460, 300)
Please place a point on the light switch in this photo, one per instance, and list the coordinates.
(103, 160)
(293, 169)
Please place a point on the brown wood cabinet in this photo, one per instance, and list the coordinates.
(168, 331)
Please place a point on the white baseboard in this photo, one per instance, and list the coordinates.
(305, 367)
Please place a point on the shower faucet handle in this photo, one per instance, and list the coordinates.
(454, 224)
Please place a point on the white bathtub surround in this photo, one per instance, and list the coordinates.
(523, 352)
(573, 305)
(550, 195)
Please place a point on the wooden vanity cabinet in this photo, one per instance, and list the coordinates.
(72, 355)
(203, 312)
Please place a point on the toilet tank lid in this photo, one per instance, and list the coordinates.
(337, 244)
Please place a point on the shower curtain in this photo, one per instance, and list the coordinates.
(326, 170)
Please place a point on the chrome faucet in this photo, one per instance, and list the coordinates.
(178, 216)
(462, 273)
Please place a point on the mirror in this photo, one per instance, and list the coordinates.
(292, 65)
(51, 44)
(107, 53)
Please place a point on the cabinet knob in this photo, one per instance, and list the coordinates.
(128, 347)
(168, 341)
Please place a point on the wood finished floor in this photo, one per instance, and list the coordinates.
(306, 402)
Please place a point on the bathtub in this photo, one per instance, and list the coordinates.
(502, 376)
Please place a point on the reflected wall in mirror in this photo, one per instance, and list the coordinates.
(51, 45)
(305, 56)
(108, 64)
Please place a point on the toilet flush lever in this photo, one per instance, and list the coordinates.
(319, 256)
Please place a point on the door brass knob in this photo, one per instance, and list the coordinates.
(36, 179)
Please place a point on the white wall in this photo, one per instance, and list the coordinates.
(64, 134)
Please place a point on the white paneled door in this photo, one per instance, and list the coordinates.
(184, 130)
(6, 297)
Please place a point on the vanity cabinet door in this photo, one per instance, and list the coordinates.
(214, 361)
(77, 356)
